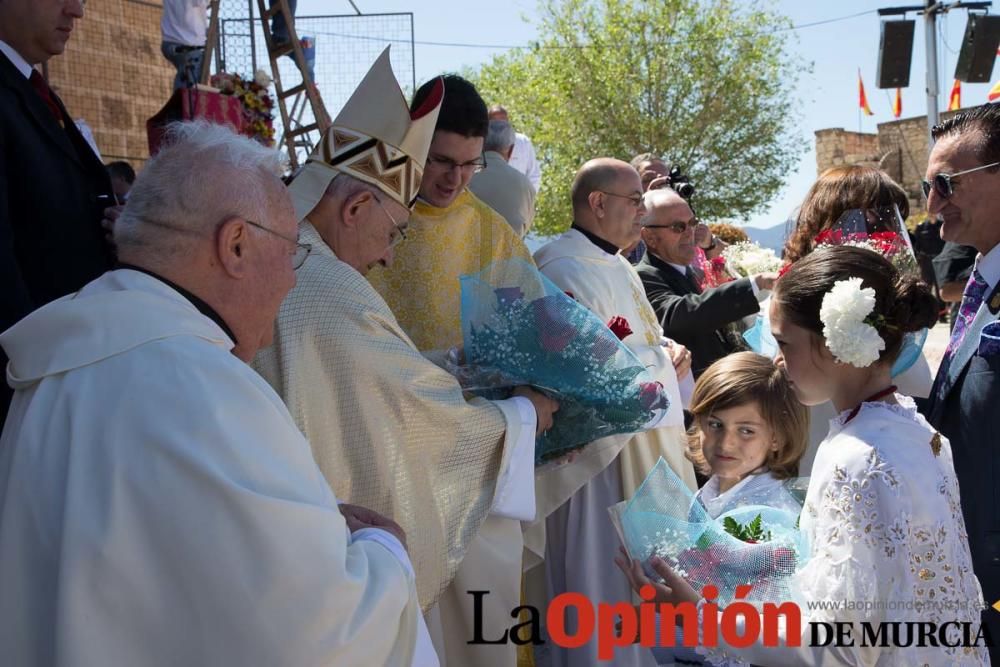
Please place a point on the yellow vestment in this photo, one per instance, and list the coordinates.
(443, 244)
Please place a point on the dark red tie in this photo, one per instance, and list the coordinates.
(43, 90)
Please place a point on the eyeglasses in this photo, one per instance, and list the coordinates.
(675, 227)
(942, 183)
(302, 250)
(399, 238)
(447, 164)
(635, 199)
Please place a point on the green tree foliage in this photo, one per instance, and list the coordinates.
(707, 84)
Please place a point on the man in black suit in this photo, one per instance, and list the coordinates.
(53, 187)
(701, 321)
(963, 189)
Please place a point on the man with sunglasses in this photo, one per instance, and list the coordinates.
(701, 320)
(963, 190)
(389, 429)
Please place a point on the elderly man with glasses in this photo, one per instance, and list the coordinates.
(586, 261)
(963, 190)
(389, 429)
(158, 504)
(704, 321)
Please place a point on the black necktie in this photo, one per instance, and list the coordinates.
(693, 279)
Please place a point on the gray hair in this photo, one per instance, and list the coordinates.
(654, 199)
(205, 174)
(500, 136)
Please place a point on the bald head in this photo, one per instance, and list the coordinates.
(667, 227)
(660, 199)
(599, 174)
(607, 200)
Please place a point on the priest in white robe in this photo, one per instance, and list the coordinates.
(389, 429)
(158, 505)
(586, 262)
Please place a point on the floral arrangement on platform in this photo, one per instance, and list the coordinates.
(747, 259)
(258, 106)
(553, 343)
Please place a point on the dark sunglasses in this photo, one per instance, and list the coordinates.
(942, 183)
(675, 227)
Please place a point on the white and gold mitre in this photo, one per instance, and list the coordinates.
(375, 139)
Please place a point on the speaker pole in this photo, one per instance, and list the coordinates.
(930, 24)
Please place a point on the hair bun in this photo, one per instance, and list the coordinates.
(914, 305)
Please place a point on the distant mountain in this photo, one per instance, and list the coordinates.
(771, 237)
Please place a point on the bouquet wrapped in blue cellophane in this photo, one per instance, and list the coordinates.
(757, 543)
(520, 329)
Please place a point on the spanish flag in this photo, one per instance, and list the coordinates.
(897, 104)
(955, 99)
(994, 93)
(862, 98)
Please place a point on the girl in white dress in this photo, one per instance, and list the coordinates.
(749, 433)
(882, 513)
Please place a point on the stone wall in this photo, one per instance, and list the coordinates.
(899, 148)
(113, 76)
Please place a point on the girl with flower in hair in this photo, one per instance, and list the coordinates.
(838, 193)
(882, 513)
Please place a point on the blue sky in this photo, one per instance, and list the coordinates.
(826, 98)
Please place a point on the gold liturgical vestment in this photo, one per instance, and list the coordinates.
(443, 244)
(422, 288)
(390, 430)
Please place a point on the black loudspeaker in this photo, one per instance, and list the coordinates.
(979, 49)
(895, 50)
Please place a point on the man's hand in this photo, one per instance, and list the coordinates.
(765, 280)
(657, 183)
(680, 356)
(702, 236)
(359, 517)
(111, 215)
(544, 407)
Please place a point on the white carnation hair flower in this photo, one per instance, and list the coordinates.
(843, 312)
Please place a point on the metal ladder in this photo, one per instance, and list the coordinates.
(295, 134)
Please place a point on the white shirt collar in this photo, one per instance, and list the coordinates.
(16, 59)
(714, 501)
(680, 267)
(988, 266)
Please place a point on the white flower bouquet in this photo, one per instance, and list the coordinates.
(747, 259)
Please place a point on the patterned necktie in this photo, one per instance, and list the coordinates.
(43, 90)
(693, 279)
(972, 299)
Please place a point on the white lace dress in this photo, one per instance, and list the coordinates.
(884, 523)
